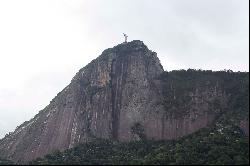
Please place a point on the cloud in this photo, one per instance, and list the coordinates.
(43, 43)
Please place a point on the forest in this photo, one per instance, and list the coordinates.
(218, 144)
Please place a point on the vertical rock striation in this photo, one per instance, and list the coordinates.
(115, 93)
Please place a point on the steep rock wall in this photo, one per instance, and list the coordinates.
(108, 98)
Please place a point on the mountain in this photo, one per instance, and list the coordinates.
(125, 95)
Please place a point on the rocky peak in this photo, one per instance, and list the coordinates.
(135, 45)
(135, 51)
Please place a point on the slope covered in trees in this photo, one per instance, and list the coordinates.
(219, 144)
(179, 83)
(6, 162)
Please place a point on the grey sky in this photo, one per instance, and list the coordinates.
(43, 43)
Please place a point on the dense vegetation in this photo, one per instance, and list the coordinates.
(218, 144)
(5, 162)
(179, 83)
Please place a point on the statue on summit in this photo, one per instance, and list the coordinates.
(126, 37)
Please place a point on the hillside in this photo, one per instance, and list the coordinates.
(220, 144)
(125, 95)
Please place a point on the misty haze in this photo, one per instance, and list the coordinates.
(124, 82)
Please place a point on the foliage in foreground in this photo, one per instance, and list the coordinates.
(5, 162)
(220, 144)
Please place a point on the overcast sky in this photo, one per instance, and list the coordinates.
(43, 43)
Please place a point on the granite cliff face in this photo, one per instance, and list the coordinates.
(119, 96)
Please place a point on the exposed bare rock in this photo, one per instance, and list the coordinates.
(244, 125)
(119, 91)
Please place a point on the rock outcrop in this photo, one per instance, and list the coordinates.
(117, 96)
